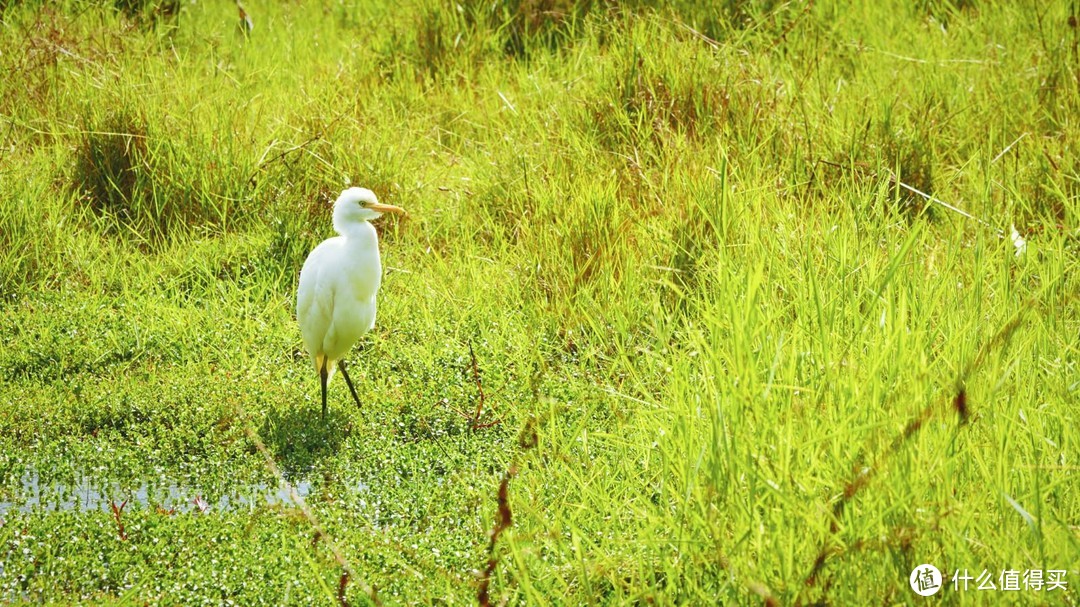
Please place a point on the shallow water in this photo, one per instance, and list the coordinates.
(90, 494)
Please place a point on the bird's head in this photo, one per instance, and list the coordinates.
(357, 205)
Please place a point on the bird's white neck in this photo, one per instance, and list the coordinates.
(361, 233)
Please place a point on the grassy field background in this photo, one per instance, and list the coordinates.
(725, 355)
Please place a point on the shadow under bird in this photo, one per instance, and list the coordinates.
(335, 303)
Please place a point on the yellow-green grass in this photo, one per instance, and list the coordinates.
(730, 358)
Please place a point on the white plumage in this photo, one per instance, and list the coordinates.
(335, 303)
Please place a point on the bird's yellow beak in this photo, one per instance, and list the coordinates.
(387, 208)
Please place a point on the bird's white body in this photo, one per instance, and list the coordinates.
(335, 302)
(336, 299)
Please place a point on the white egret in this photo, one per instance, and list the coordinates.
(335, 303)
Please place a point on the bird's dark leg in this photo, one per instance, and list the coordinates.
(322, 380)
(341, 364)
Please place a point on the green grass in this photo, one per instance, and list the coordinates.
(725, 350)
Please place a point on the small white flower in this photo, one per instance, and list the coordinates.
(1018, 241)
